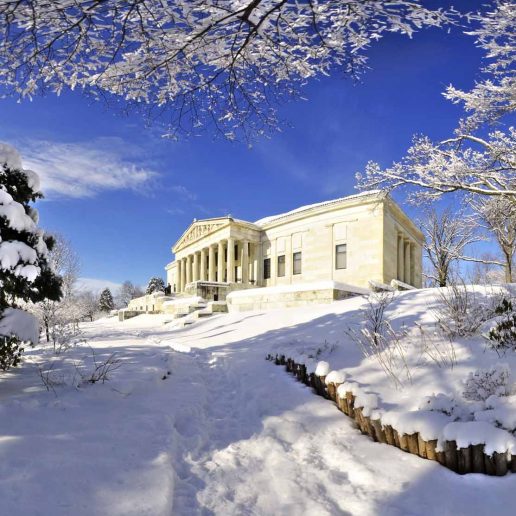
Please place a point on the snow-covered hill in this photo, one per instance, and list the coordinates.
(196, 421)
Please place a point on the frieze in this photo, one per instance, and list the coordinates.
(198, 232)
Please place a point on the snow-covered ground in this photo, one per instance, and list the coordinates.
(196, 421)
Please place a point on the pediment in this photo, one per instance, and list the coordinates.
(197, 231)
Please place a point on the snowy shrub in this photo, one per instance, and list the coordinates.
(377, 338)
(484, 383)
(459, 313)
(502, 336)
(11, 350)
(456, 409)
(438, 349)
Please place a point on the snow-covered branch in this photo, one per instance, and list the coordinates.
(221, 62)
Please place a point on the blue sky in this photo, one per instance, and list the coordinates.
(123, 195)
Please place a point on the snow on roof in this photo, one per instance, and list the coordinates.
(267, 220)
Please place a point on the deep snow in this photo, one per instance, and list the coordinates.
(226, 432)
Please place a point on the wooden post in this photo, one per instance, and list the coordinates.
(357, 412)
(501, 466)
(421, 446)
(464, 460)
(450, 453)
(413, 446)
(331, 391)
(477, 459)
(489, 464)
(341, 403)
(513, 463)
(431, 454)
(389, 435)
(351, 403)
(379, 431)
(441, 457)
(396, 438)
(312, 380)
(369, 427)
(403, 442)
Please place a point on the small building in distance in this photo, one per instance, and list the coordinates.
(315, 253)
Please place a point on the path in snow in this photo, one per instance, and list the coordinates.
(226, 433)
(257, 442)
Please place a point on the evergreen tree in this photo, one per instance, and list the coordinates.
(25, 272)
(155, 285)
(106, 303)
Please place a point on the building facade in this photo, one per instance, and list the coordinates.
(353, 240)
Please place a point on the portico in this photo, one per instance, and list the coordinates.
(216, 253)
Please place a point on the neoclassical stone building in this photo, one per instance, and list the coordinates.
(351, 241)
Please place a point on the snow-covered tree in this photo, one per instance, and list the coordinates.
(88, 303)
(155, 285)
(220, 62)
(63, 312)
(447, 236)
(471, 161)
(25, 273)
(106, 303)
(127, 292)
(498, 216)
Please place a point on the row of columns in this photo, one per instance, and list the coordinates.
(203, 266)
(405, 259)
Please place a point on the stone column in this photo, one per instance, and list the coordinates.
(256, 262)
(202, 275)
(407, 262)
(189, 269)
(245, 261)
(178, 276)
(195, 275)
(183, 274)
(220, 262)
(231, 260)
(211, 263)
(401, 261)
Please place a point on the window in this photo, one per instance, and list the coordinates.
(341, 258)
(267, 268)
(281, 266)
(296, 258)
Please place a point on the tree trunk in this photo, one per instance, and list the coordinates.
(508, 268)
(47, 331)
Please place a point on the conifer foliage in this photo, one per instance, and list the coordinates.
(106, 303)
(155, 285)
(25, 273)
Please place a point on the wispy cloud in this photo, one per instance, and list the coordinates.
(96, 285)
(84, 169)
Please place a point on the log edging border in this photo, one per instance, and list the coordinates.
(460, 460)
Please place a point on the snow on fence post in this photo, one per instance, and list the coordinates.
(471, 459)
